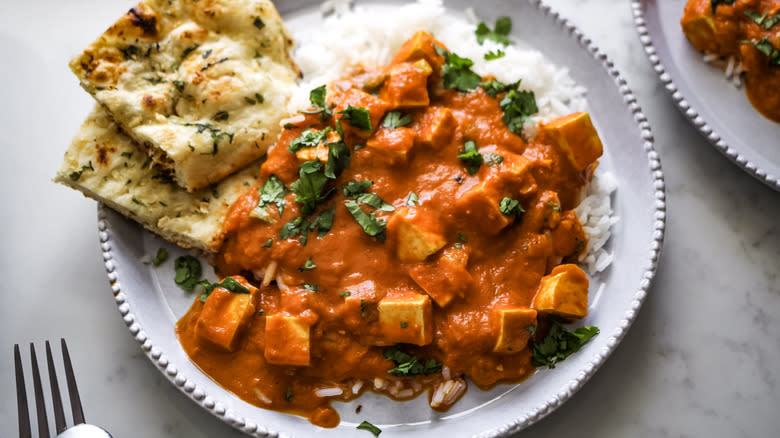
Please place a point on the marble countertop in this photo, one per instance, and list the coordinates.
(700, 360)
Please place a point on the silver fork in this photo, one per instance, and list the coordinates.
(80, 428)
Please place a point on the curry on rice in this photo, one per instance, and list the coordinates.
(404, 236)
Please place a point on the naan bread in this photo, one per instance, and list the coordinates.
(201, 85)
(107, 165)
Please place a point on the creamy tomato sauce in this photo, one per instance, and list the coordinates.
(455, 277)
(748, 30)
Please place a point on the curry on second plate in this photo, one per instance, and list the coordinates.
(749, 31)
(403, 236)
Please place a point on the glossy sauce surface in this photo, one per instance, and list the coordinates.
(354, 271)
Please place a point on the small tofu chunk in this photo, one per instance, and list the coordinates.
(564, 292)
(320, 151)
(700, 31)
(392, 145)
(575, 136)
(224, 316)
(514, 329)
(480, 206)
(360, 99)
(436, 128)
(415, 233)
(445, 278)
(287, 340)
(421, 45)
(405, 317)
(407, 85)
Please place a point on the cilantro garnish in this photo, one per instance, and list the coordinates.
(311, 287)
(74, 176)
(317, 99)
(308, 265)
(494, 87)
(338, 159)
(394, 120)
(369, 427)
(357, 190)
(309, 189)
(412, 199)
(230, 284)
(560, 343)
(518, 106)
(462, 238)
(268, 243)
(358, 117)
(756, 17)
(273, 191)
(457, 73)
(407, 365)
(160, 257)
(323, 222)
(296, 227)
(500, 34)
(766, 47)
(471, 157)
(715, 3)
(510, 207)
(188, 271)
(491, 55)
(308, 139)
(371, 225)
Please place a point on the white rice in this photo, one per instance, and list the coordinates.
(359, 36)
(447, 392)
(329, 392)
(732, 68)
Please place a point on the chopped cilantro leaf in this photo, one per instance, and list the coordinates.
(495, 87)
(323, 222)
(371, 225)
(268, 243)
(560, 343)
(160, 257)
(273, 191)
(407, 365)
(354, 188)
(369, 427)
(471, 157)
(309, 189)
(394, 120)
(317, 99)
(510, 207)
(358, 117)
(412, 199)
(308, 265)
(500, 34)
(188, 271)
(338, 159)
(311, 287)
(296, 227)
(771, 21)
(518, 106)
(766, 47)
(230, 284)
(756, 17)
(491, 55)
(308, 139)
(457, 73)
(74, 176)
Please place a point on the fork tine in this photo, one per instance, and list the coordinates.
(56, 399)
(40, 404)
(73, 390)
(21, 397)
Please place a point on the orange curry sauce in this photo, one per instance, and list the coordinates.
(452, 278)
(749, 30)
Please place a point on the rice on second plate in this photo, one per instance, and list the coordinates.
(360, 36)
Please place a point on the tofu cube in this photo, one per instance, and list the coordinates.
(320, 151)
(698, 25)
(420, 46)
(287, 341)
(479, 206)
(446, 278)
(415, 234)
(360, 99)
(564, 292)
(575, 137)
(514, 329)
(405, 317)
(407, 85)
(392, 145)
(436, 128)
(224, 316)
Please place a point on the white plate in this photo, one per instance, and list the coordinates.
(720, 111)
(151, 303)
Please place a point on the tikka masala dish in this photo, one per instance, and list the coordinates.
(404, 236)
(748, 30)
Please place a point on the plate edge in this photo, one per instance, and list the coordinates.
(685, 107)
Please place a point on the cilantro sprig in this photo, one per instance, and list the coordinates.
(188, 271)
(518, 106)
(560, 343)
(272, 191)
(510, 207)
(766, 47)
(499, 34)
(407, 365)
(368, 221)
(358, 117)
(309, 139)
(320, 106)
(310, 188)
(394, 120)
(471, 157)
(456, 73)
(357, 191)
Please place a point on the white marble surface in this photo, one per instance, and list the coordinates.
(701, 360)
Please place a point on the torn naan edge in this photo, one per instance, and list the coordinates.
(200, 85)
(108, 166)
